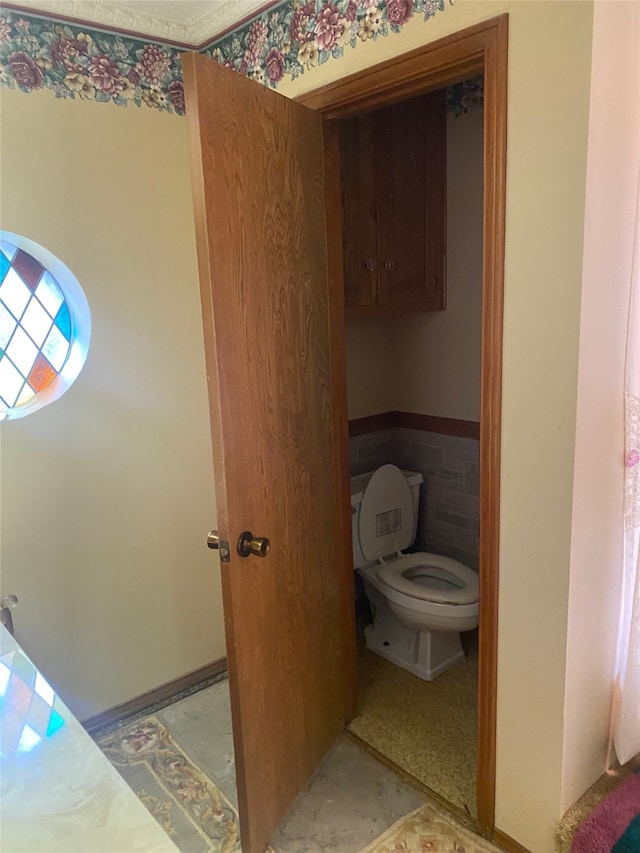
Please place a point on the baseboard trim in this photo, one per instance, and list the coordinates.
(506, 842)
(158, 694)
(414, 420)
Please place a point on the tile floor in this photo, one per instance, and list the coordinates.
(350, 800)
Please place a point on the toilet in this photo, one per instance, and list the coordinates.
(421, 601)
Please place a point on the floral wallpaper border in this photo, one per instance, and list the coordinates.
(285, 40)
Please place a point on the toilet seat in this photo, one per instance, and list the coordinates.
(386, 513)
(453, 583)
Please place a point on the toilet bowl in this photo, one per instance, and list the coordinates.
(420, 601)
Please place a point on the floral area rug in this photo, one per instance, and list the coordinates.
(198, 817)
(188, 805)
(428, 830)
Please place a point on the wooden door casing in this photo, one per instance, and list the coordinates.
(258, 182)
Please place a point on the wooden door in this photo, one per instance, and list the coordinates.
(258, 180)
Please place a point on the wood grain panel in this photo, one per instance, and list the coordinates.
(410, 164)
(401, 167)
(359, 210)
(493, 249)
(478, 49)
(258, 182)
(436, 201)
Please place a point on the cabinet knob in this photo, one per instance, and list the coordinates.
(370, 264)
(389, 264)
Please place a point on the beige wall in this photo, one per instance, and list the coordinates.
(596, 543)
(549, 81)
(430, 362)
(108, 493)
(438, 354)
(371, 365)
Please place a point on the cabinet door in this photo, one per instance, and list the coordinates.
(410, 167)
(357, 166)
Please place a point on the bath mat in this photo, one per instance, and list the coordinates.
(614, 825)
(186, 802)
(428, 829)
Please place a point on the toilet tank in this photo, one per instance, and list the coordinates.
(358, 485)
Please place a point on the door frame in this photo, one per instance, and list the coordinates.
(482, 48)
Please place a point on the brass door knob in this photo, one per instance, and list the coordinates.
(250, 544)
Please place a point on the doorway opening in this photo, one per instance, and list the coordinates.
(352, 103)
(412, 188)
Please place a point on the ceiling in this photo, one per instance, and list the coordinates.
(193, 22)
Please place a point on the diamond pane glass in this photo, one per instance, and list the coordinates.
(55, 348)
(29, 270)
(22, 351)
(25, 395)
(49, 294)
(8, 325)
(14, 293)
(8, 249)
(5, 265)
(36, 328)
(36, 322)
(63, 321)
(11, 381)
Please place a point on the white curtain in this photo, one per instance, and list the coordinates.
(626, 709)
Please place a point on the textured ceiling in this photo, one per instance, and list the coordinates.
(190, 21)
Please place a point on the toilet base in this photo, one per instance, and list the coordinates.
(426, 654)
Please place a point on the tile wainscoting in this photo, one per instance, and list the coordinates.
(448, 520)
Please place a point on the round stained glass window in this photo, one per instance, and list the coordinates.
(44, 327)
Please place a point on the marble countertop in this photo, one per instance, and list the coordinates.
(58, 793)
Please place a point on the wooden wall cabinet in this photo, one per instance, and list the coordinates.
(393, 170)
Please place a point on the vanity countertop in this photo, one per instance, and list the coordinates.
(58, 792)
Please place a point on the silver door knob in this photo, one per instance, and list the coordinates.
(213, 540)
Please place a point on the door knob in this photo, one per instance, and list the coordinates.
(250, 544)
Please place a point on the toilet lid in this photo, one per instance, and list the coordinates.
(431, 577)
(386, 514)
